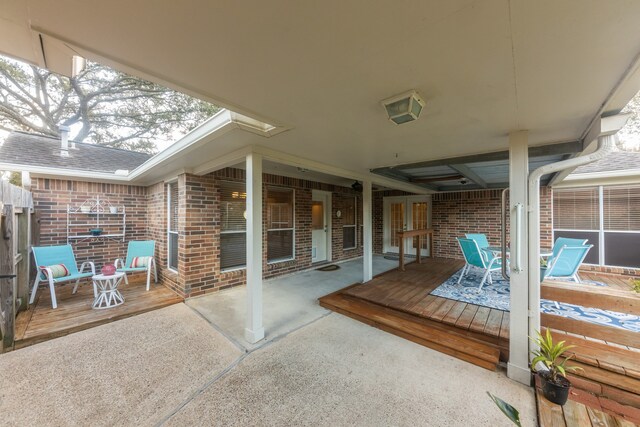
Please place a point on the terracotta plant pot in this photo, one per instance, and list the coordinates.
(556, 393)
(109, 270)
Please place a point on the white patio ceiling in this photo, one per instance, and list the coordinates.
(485, 68)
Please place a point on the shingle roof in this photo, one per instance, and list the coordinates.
(618, 160)
(21, 148)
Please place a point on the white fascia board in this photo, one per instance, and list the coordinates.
(621, 177)
(57, 173)
(221, 123)
(221, 162)
(289, 159)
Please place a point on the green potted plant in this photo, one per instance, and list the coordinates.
(555, 385)
(635, 284)
(543, 269)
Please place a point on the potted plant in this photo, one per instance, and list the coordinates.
(555, 385)
(635, 284)
(543, 269)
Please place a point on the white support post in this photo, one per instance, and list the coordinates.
(518, 366)
(254, 331)
(367, 232)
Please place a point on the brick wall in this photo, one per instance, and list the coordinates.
(53, 197)
(457, 213)
(199, 239)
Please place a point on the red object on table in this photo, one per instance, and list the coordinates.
(109, 270)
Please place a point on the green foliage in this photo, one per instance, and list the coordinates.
(549, 353)
(511, 412)
(112, 108)
(629, 135)
(635, 283)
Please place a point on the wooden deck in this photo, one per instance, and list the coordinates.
(74, 312)
(399, 302)
(581, 410)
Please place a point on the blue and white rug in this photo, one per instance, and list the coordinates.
(496, 296)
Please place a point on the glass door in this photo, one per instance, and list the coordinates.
(405, 213)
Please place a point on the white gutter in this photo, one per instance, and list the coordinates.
(609, 126)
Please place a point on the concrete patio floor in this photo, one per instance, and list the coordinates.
(169, 367)
(289, 302)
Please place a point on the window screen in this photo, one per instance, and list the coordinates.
(349, 222)
(233, 225)
(280, 226)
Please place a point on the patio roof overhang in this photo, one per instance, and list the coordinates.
(320, 70)
(488, 170)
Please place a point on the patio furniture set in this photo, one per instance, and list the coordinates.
(57, 264)
(561, 262)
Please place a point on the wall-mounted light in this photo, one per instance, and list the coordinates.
(404, 108)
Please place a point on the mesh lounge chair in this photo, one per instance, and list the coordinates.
(483, 242)
(474, 258)
(139, 249)
(481, 239)
(566, 263)
(47, 256)
(564, 241)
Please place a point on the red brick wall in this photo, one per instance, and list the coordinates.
(52, 197)
(478, 211)
(199, 240)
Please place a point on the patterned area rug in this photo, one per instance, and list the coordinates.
(496, 296)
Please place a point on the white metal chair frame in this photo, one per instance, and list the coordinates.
(54, 301)
(487, 267)
(150, 266)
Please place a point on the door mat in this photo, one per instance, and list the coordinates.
(331, 267)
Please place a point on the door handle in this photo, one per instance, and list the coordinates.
(517, 246)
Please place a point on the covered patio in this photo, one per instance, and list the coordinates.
(502, 94)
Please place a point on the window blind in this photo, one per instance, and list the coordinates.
(349, 223)
(233, 225)
(576, 209)
(621, 206)
(173, 206)
(280, 224)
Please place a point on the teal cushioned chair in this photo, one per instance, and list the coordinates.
(474, 258)
(46, 256)
(139, 248)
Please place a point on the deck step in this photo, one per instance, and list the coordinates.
(610, 373)
(602, 355)
(431, 334)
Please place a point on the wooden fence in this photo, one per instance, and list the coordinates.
(16, 212)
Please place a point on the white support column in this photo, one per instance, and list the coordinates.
(367, 232)
(518, 366)
(254, 331)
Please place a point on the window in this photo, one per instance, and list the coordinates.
(172, 226)
(349, 240)
(609, 217)
(280, 225)
(576, 209)
(621, 214)
(233, 225)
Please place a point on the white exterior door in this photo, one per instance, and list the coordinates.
(405, 213)
(320, 223)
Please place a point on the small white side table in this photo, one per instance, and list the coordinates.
(108, 293)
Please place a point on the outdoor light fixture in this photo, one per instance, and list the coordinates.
(356, 186)
(404, 108)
